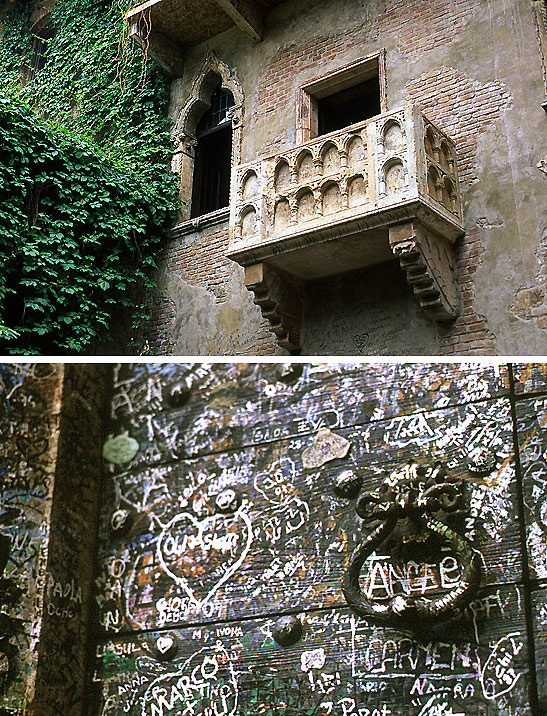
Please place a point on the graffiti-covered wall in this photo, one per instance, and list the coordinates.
(288, 539)
(231, 517)
(30, 406)
(51, 426)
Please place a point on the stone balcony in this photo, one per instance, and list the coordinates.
(387, 187)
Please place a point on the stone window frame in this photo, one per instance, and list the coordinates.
(332, 82)
(183, 132)
(40, 29)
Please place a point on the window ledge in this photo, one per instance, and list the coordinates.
(220, 216)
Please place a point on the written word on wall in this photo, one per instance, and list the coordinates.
(230, 517)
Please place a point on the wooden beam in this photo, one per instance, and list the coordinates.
(245, 15)
(139, 9)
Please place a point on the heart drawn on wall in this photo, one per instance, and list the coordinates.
(164, 643)
(203, 554)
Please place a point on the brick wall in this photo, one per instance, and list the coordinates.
(464, 109)
(460, 106)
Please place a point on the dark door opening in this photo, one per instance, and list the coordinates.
(212, 163)
(351, 105)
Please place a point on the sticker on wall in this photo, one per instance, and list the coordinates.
(327, 446)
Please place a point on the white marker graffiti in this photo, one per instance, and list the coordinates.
(498, 676)
(218, 536)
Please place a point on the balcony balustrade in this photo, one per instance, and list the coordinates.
(348, 199)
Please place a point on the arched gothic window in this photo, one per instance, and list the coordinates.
(207, 136)
(212, 162)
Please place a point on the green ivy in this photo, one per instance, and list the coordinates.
(84, 180)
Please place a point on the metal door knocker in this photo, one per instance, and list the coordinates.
(415, 507)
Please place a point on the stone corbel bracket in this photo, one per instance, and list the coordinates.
(279, 297)
(428, 261)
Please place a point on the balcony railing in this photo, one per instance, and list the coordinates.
(353, 181)
(377, 190)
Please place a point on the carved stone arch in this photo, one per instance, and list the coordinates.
(304, 165)
(394, 175)
(198, 101)
(330, 157)
(282, 174)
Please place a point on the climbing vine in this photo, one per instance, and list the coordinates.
(86, 189)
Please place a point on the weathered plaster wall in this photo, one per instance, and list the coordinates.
(474, 67)
(201, 306)
(366, 312)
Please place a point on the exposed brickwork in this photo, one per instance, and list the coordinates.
(439, 21)
(462, 107)
(156, 332)
(469, 333)
(203, 262)
(423, 25)
(200, 259)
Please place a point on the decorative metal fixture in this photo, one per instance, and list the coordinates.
(287, 630)
(481, 461)
(289, 373)
(165, 647)
(348, 484)
(413, 506)
(179, 394)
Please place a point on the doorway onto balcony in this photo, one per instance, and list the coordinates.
(351, 94)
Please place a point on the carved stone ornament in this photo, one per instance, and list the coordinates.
(428, 261)
(379, 189)
(279, 297)
(412, 510)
